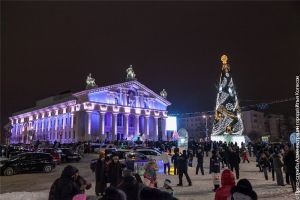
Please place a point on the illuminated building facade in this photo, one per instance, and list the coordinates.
(122, 111)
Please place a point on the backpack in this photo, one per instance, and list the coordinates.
(54, 190)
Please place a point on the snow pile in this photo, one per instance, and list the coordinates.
(41, 195)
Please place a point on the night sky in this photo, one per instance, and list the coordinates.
(50, 47)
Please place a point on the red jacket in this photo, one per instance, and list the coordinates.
(227, 182)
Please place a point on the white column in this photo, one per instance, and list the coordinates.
(43, 120)
(126, 125)
(48, 127)
(137, 125)
(72, 120)
(146, 127)
(102, 125)
(64, 128)
(88, 126)
(114, 126)
(156, 129)
(56, 132)
(163, 129)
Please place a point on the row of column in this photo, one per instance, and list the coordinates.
(20, 129)
(126, 126)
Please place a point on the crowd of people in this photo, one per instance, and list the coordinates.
(126, 184)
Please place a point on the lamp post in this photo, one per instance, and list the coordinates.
(206, 134)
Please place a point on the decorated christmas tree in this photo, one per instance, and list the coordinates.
(228, 119)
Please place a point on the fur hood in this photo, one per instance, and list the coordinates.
(239, 193)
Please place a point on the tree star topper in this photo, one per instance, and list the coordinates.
(224, 59)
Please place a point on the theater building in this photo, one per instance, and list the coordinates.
(122, 111)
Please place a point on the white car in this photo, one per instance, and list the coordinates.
(153, 154)
(150, 153)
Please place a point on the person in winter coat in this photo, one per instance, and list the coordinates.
(166, 160)
(191, 157)
(234, 160)
(174, 160)
(65, 188)
(183, 168)
(264, 163)
(115, 171)
(101, 181)
(150, 172)
(243, 191)
(227, 183)
(131, 186)
(245, 156)
(278, 164)
(290, 165)
(81, 183)
(214, 169)
(200, 155)
(207, 147)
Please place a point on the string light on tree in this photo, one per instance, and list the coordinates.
(227, 112)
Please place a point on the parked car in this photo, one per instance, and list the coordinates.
(135, 157)
(103, 147)
(53, 152)
(68, 155)
(150, 153)
(27, 162)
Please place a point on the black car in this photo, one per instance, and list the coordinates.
(68, 155)
(27, 162)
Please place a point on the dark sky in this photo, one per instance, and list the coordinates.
(49, 47)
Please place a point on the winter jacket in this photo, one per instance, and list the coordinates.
(200, 155)
(182, 163)
(227, 182)
(264, 162)
(289, 162)
(277, 163)
(131, 187)
(174, 159)
(214, 166)
(150, 171)
(234, 159)
(64, 188)
(165, 158)
(100, 177)
(115, 173)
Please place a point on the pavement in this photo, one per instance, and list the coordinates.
(37, 185)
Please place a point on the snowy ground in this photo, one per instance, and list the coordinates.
(37, 185)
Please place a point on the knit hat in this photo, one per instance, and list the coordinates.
(69, 171)
(167, 182)
(244, 183)
(244, 187)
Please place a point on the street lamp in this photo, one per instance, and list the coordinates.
(206, 134)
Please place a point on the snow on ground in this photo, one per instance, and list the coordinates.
(201, 189)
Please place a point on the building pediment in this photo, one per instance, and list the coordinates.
(131, 93)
